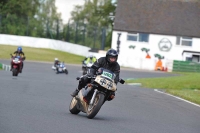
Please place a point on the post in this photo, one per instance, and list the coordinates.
(67, 36)
(118, 42)
(27, 26)
(47, 30)
(103, 38)
(57, 30)
(84, 34)
(0, 23)
(94, 37)
(76, 36)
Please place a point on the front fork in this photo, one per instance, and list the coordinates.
(94, 95)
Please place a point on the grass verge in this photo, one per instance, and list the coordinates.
(186, 85)
(41, 54)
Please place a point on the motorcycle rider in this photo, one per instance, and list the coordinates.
(109, 62)
(56, 62)
(88, 59)
(20, 53)
(91, 59)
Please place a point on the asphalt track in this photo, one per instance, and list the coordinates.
(37, 101)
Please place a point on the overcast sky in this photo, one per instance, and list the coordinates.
(66, 6)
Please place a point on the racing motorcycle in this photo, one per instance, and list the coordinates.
(60, 68)
(85, 67)
(16, 64)
(90, 99)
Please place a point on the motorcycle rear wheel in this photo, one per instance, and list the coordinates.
(94, 109)
(72, 107)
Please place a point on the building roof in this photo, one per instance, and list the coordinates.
(168, 17)
(188, 51)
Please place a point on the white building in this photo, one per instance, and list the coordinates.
(170, 28)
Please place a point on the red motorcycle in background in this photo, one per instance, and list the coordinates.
(16, 64)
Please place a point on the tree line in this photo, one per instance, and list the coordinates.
(90, 24)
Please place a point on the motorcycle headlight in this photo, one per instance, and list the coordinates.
(110, 85)
(103, 81)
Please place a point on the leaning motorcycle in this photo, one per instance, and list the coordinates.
(85, 67)
(90, 99)
(60, 68)
(16, 64)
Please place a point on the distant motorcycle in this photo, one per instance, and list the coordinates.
(60, 68)
(90, 99)
(85, 67)
(16, 64)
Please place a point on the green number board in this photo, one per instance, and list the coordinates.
(107, 74)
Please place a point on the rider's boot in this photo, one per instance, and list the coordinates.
(22, 67)
(20, 70)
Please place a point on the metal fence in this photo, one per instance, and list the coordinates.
(87, 35)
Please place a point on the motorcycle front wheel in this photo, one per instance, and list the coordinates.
(96, 106)
(72, 108)
(15, 72)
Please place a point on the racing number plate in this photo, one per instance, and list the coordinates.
(107, 75)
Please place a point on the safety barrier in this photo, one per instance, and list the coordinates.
(186, 66)
(5, 67)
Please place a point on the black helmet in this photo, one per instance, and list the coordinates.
(111, 53)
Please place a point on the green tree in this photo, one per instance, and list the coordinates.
(30, 17)
(48, 19)
(96, 15)
(15, 14)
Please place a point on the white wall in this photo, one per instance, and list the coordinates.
(136, 58)
(101, 53)
(44, 43)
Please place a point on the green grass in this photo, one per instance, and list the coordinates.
(41, 54)
(187, 85)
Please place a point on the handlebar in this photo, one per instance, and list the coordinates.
(22, 58)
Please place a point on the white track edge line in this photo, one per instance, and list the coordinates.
(177, 97)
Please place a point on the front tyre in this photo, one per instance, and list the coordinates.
(15, 72)
(94, 109)
(72, 108)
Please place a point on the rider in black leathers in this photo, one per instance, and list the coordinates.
(109, 62)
